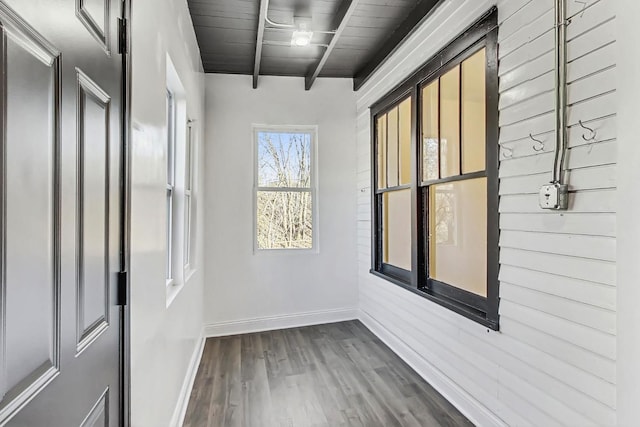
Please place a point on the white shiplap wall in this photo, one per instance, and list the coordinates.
(554, 360)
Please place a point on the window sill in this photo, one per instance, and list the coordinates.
(173, 289)
(443, 301)
(294, 252)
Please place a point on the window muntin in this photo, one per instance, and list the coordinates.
(452, 207)
(284, 192)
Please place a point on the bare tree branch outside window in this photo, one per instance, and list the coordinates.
(284, 196)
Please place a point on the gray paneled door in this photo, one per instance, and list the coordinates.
(60, 186)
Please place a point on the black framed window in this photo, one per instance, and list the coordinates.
(435, 177)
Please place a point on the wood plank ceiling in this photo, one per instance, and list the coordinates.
(351, 37)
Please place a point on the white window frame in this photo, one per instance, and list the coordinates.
(313, 131)
(188, 199)
(177, 134)
(170, 187)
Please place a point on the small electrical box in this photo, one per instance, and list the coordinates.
(554, 196)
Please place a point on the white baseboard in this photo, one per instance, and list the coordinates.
(180, 410)
(477, 413)
(279, 322)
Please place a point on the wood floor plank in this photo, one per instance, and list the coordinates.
(330, 375)
(203, 384)
(224, 407)
(256, 398)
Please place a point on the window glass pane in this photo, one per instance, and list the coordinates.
(430, 136)
(382, 151)
(187, 229)
(171, 133)
(187, 162)
(284, 159)
(284, 220)
(396, 217)
(458, 234)
(169, 269)
(392, 148)
(473, 113)
(405, 141)
(450, 123)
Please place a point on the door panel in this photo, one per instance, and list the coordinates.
(98, 417)
(95, 15)
(60, 188)
(93, 210)
(28, 313)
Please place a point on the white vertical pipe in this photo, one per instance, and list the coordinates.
(561, 91)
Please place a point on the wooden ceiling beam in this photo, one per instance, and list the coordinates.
(262, 20)
(341, 20)
(416, 17)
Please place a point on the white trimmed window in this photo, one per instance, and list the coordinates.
(285, 194)
(179, 187)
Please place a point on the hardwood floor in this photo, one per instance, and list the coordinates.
(331, 375)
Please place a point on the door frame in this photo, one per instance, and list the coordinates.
(125, 221)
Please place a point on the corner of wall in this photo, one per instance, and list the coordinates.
(475, 411)
(182, 404)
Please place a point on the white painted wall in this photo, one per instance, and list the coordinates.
(628, 201)
(554, 360)
(163, 340)
(247, 291)
(568, 347)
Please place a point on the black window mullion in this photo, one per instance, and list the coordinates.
(398, 160)
(439, 129)
(493, 182)
(375, 165)
(380, 231)
(417, 251)
(460, 153)
(426, 237)
(454, 178)
(458, 294)
(389, 189)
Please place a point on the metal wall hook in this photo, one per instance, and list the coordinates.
(593, 132)
(538, 146)
(507, 152)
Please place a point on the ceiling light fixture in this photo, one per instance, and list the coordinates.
(302, 33)
(301, 36)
